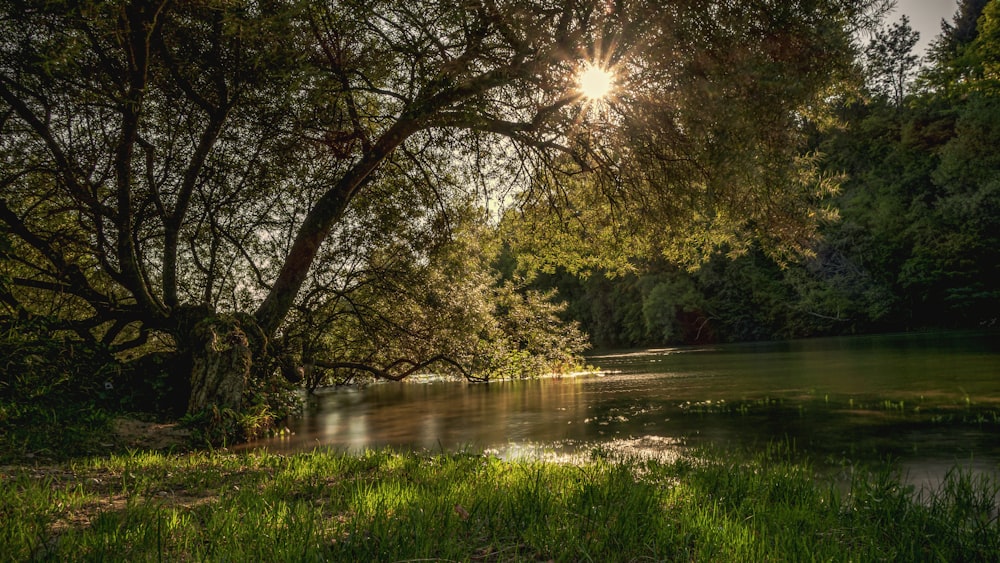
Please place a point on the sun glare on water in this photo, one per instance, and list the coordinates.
(595, 82)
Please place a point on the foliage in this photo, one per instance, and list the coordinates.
(442, 299)
(890, 60)
(957, 34)
(910, 243)
(299, 162)
(531, 337)
(663, 304)
(55, 394)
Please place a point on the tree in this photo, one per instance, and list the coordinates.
(444, 306)
(959, 32)
(953, 64)
(986, 46)
(890, 60)
(177, 170)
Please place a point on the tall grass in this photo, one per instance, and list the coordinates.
(384, 506)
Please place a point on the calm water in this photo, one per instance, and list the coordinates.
(923, 401)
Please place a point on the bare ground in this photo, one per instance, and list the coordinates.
(139, 434)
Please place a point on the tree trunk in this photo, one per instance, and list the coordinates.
(221, 358)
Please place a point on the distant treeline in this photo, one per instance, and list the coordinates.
(917, 242)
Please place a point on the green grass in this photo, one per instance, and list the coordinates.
(384, 506)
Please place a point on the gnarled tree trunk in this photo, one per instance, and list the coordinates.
(221, 358)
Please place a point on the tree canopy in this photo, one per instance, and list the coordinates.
(192, 177)
(914, 242)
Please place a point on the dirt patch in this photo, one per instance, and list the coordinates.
(134, 433)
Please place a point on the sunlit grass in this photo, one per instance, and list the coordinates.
(384, 506)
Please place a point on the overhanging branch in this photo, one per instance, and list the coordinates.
(388, 371)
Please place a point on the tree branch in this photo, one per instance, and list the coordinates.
(67, 169)
(138, 26)
(386, 373)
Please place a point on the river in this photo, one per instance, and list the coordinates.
(923, 402)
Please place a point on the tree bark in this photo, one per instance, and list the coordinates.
(319, 222)
(221, 358)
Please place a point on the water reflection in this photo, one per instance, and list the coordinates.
(924, 401)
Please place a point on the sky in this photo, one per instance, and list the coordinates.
(925, 17)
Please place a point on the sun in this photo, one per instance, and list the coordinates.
(595, 82)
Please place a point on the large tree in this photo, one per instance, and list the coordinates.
(179, 169)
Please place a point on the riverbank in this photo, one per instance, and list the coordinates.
(921, 400)
(385, 506)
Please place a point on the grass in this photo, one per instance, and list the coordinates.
(385, 506)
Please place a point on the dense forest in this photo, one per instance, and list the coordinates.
(205, 206)
(914, 238)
